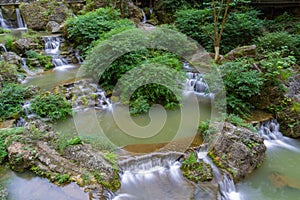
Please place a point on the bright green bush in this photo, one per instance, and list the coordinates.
(240, 28)
(11, 98)
(52, 106)
(44, 60)
(279, 41)
(241, 83)
(87, 28)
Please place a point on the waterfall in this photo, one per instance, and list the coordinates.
(144, 20)
(269, 130)
(3, 47)
(227, 190)
(157, 176)
(78, 57)
(52, 44)
(2, 20)
(21, 22)
(195, 83)
(25, 67)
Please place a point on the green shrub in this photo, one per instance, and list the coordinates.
(284, 22)
(45, 61)
(238, 121)
(240, 28)
(123, 52)
(85, 29)
(279, 41)
(11, 98)
(52, 106)
(241, 83)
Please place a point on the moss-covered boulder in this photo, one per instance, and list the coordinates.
(238, 150)
(196, 171)
(38, 14)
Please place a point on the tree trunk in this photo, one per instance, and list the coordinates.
(217, 53)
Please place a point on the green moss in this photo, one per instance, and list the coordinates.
(196, 171)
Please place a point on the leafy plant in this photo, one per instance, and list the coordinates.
(240, 29)
(52, 106)
(238, 121)
(85, 29)
(44, 60)
(11, 98)
(280, 41)
(241, 83)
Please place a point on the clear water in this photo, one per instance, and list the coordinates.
(279, 159)
(26, 186)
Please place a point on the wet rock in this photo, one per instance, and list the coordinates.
(53, 27)
(22, 45)
(289, 120)
(37, 14)
(21, 157)
(197, 171)
(238, 150)
(12, 58)
(294, 88)
(280, 181)
(244, 51)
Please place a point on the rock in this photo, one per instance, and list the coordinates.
(12, 58)
(280, 181)
(20, 157)
(53, 27)
(288, 118)
(22, 45)
(7, 123)
(238, 150)
(37, 14)
(196, 171)
(294, 88)
(244, 51)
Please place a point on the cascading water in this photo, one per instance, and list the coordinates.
(25, 67)
(269, 130)
(3, 47)
(52, 44)
(157, 176)
(20, 21)
(144, 20)
(2, 20)
(195, 83)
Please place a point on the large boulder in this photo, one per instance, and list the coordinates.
(12, 58)
(53, 27)
(22, 45)
(38, 14)
(238, 150)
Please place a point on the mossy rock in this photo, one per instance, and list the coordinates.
(196, 171)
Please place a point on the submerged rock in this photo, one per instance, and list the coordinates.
(280, 181)
(238, 150)
(3, 193)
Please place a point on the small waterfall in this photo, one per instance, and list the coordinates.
(195, 83)
(269, 130)
(3, 21)
(3, 47)
(20, 21)
(25, 67)
(78, 57)
(52, 44)
(144, 20)
(227, 190)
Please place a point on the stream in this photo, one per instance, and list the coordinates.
(151, 175)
